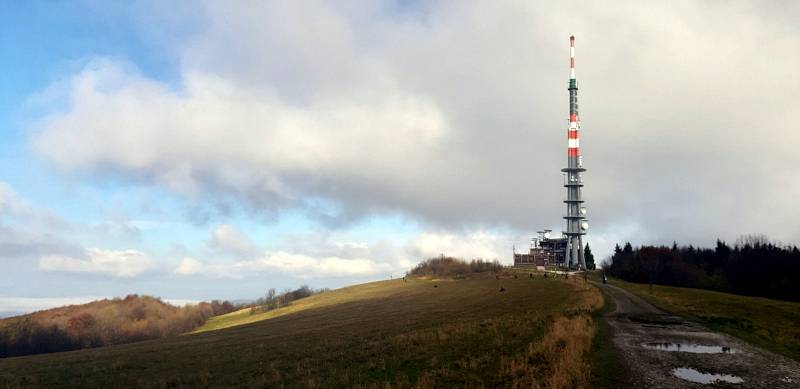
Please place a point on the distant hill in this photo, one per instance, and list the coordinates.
(100, 323)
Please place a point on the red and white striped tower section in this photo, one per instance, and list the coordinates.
(576, 213)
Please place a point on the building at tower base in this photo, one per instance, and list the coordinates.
(545, 250)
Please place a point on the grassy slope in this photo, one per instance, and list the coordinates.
(460, 333)
(772, 324)
(349, 294)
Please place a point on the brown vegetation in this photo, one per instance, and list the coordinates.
(560, 358)
(453, 267)
(103, 322)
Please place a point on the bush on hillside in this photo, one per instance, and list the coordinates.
(453, 267)
(100, 323)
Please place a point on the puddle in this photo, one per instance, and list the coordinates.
(693, 375)
(689, 348)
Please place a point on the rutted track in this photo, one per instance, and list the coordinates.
(636, 323)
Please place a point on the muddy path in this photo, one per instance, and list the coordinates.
(658, 347)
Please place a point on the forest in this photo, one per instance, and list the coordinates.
(752, 266)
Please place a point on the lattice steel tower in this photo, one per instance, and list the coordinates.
(576, 222)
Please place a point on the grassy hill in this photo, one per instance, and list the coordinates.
(419, 333)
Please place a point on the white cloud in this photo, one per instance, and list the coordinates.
(10, 203)
(281, 262)
(327, 256)
(190, 267)
(304, 266)
(244, 144)
(227, 238)
(121, 263)
(475, 245)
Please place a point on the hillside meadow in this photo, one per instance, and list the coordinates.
(418, 332)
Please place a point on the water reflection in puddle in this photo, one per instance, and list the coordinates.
(693, 375)
(689, 348)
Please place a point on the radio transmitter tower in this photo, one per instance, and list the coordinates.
(576, 212)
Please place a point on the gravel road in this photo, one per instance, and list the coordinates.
(657, 347)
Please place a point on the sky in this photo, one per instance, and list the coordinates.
(215, 149)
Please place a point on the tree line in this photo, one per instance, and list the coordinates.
(753, 266)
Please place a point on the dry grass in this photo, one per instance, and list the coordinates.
(560, 359)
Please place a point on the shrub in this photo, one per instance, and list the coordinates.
(452, 267)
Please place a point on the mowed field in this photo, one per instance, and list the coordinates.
(771, 324)
(414, 333)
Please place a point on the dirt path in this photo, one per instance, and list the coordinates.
(647, 339)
